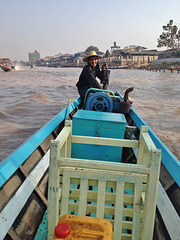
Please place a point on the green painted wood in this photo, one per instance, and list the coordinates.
(101, 198)
(137, 205)
(123, 167)
(83, 197)
(53, 188)
(65, 193)
(151, 195)
(118, 210)
(42, 230)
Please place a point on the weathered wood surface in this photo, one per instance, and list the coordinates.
(7, 216)
(168, 213)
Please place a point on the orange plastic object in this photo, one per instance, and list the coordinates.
(86, 228)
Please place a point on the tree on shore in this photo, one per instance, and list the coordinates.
(107, 55)
(92, 48)
(170, 37)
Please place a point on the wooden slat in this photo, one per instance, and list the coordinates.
(92, 196)
(168, 214)
(148, 143)
(109, 184)
(83, 197)
(65, 193)
(125, 224)
(91, 164)
(110, 175)
(53, 188)
(13, 234)
(108, 210)
(63, 135)
(105, 141)
(7, 216)
(43, 198)
(151, 195)
(137, 208)
(141, 149)
(101, 198)
(118, 210)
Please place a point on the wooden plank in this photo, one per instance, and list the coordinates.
(69, 123)
(43, 198)
(168, 214)
(83, 197)
(118, 210)
(151, 195)
(110, 175)
(140, 149)
(109, 184)
(7, 216)
(105, 141)
(137, 209)
(69, 146)
(9, 189)
(63, 135)
(148, 143)
(65, 193)
(13, 234)
(92, 196)
(108, 210)
(91, 164)
(31, 162)
(101, 198)
(53, 188)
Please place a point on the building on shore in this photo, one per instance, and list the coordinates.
(34, 56)
(5, 61)
(132, 55)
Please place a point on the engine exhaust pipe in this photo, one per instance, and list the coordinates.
(127, 93)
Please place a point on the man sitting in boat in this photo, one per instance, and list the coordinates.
(89, 73)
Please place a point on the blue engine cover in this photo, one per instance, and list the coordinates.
(100, 102)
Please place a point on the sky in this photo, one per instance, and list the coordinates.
(69, 26)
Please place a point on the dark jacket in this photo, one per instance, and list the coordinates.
(88, 77)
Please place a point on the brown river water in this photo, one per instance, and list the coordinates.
(30, 97)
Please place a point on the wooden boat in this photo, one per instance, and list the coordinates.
(24, 178)
(119, 67)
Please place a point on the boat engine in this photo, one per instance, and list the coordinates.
(104, 102)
